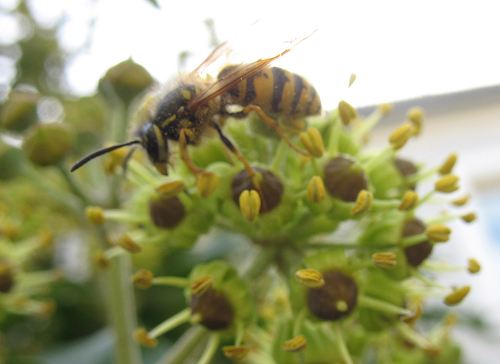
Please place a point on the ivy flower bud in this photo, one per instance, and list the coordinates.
(448, 164)
(313, 142)
(457, 296)
(347, 113)
(127, 79)
(384, 259)
(438, 233)
(19, 111)
(250, 204)
(363, 202)
(297, 343)
(310, 278)
(473, 266)
(344, 179)
(409, 201)
(143, 278)
(323, 302)
(316, 190)
(48, 144)
(416, 116)
(447, 184)
(401, 135)
(416, 253)
(206, 183)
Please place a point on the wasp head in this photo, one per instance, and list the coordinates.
(156, 145)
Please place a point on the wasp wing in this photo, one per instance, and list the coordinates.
(237, 74)
(219, 51)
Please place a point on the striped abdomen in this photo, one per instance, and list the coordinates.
(277, 91)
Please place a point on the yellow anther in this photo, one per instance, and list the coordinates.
(473, 266)
(310, 278)
(347, 113)
(295, 344)
(127, 243)
(457, 296)
(461, 201)
(409, 201)
(384, 259)
(401, 135)
(352, 78)
(438, 233)
(206, 182)
(385, 108)
(448, 164)
(143, 278)
(143, 338)
(235, 352)
(469, 217)
(447, 184)
(250, 204)
(170, 188)
(95, 214)
(316, 190)
(363, 202)
(102, 260)
(313, 142)
(416, 116)
(201, 285)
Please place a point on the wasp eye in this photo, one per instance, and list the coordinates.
(155, 143)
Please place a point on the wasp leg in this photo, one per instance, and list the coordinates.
(185, 155)
(234, 150)
(127, 159)
(274, 125)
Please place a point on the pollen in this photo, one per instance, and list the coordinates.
(473, 266)
(409, 201)
(316, 190)
(448, 164)
(401, 135)
(457, 296)
(438, 233)
(313, 142)
(447, 184)
(143, 338)
(363, 202)
(310, 278)
(250, 204)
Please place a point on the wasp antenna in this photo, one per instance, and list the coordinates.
(100, 152)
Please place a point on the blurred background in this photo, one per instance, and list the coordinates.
(440, 56)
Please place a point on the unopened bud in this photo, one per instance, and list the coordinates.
(447, 184)
(19, 110)
(457, 296)
(473, 266)
(143, 338)
(347, 113)
(316, 190)
(384, 259)
(250, 204)
(448, 164)
(313, 142)
(298, 343)
(409, 201)
(143, 278)
(362, 203)
(48, 144)
(95, 214)
(401, 135)
(206, 182)
(310, 278)
(438, 233)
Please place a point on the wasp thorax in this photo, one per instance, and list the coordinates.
(344, 179)
(417, 253)
(334, 300)
(166, 211)
(6, 277)
(214, 309)
(266, 183)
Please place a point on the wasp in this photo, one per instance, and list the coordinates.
(196, 104)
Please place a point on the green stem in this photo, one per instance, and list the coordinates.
(344, 353)
(171, 281)
(171, 323)
(122, 310)
(382, 306)
(185, 346)
(208, 354)
(73, 186)
(260, 263)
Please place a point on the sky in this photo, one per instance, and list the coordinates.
(397, 49)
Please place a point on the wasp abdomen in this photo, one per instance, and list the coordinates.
(277, 91)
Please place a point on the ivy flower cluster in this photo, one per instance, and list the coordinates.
(341, 255)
